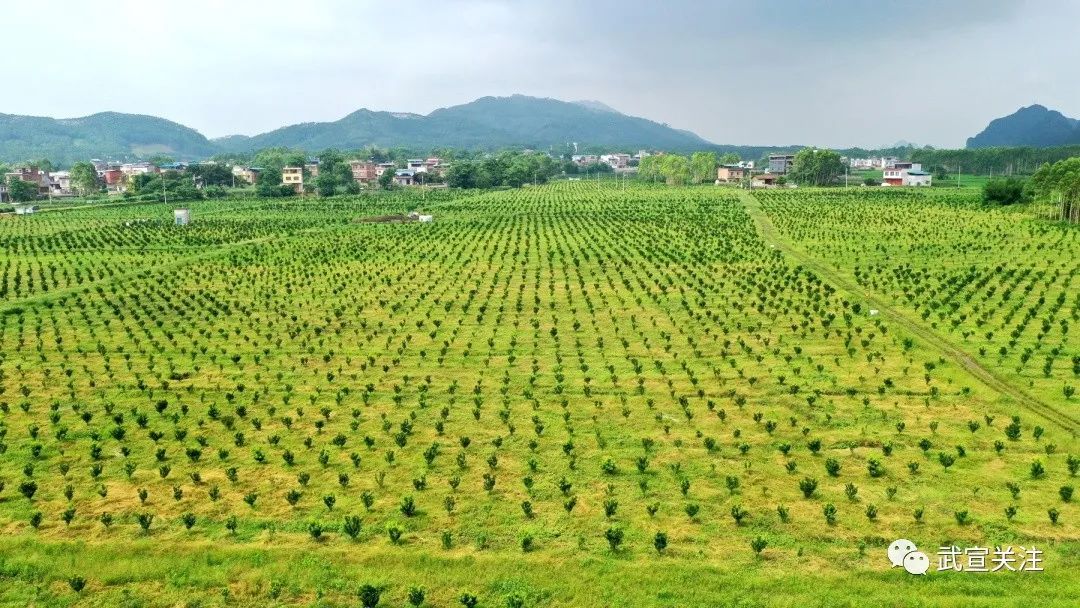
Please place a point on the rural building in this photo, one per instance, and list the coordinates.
(129, 169)
(765, 180)
(60, 183)
(114, 180)
(435, 166)
(33, 175)
(780, 164)
(915, 177)
(416, 165)
(182, 217)
(364, 171)
(248, 174)
(294, 178)
(906, 165)
(312, 168)
(906, 176)
(383, 168)
(404, 177)
(616, 161)
(730, 173)
(585, 159)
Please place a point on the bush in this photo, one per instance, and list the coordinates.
(1004, 191)
(369, 596)
(759, 544)
(614, 537)
(351, 526)
(660, 541)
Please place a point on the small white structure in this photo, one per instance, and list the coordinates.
(426, 218)
(24, 210)
(182, 217)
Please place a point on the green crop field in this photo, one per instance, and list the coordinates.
(581, 394)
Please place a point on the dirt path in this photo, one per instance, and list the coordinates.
(914, 326)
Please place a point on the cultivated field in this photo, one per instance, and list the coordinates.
(573, 395)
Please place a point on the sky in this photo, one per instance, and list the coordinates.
(772, 72)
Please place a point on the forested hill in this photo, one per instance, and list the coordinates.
(487, 123)
(104, 135)
(1034, 126)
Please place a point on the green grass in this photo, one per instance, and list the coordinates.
(609, 357)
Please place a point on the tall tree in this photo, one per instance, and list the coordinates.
(84, 178)
(817, 167)
(21, 191)
(703, 166)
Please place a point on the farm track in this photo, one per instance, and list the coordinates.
(772, 236)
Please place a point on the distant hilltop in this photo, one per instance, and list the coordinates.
(1035, 126)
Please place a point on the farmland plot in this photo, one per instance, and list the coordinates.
(628, 382)
(1004, 286)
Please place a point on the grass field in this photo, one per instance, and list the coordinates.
(575, 395)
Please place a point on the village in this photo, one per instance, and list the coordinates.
(115, 178)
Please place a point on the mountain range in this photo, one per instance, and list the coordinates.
(1035, 126)
(487, 123)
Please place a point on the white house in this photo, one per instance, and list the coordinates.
(906, 176)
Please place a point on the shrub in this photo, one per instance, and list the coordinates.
(351, 526)
(370, 596)
(759, 544)
(808, 486)
(394, 532)
(1003, 191)
(1037, 470)
(416, 596)
(145, 519)
(614, 537)
(660, 541)
(829, 511)
(77, 583)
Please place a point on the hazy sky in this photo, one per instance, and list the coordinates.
(812, 72)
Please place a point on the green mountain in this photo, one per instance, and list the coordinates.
(489, 122)
(105, 135)
(1034, 126)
